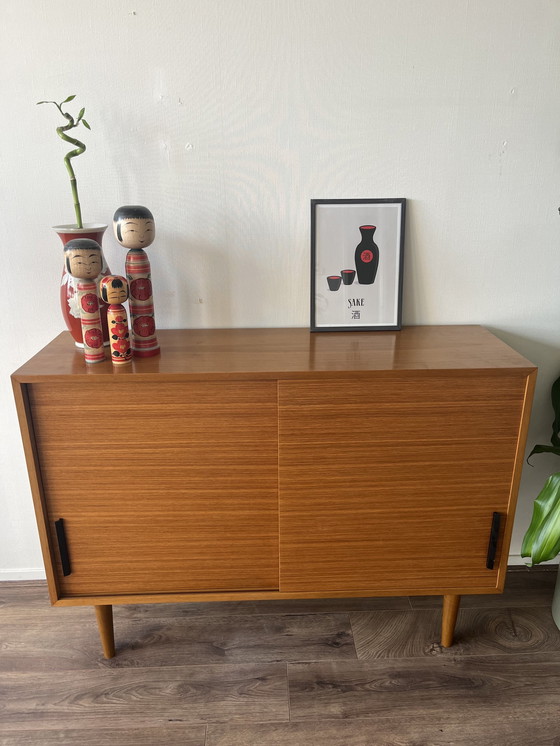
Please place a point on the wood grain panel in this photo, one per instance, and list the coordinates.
(34, 473)
(391, 484)
(396, 447)
(524, 586)
(401, 731)
(285, 353)
(490, 631)
(178, 641)
(427, 689)
(501, 689)
(166, 488)
(170, 734)
(193, 694)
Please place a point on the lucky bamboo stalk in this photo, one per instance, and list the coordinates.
(80, 148)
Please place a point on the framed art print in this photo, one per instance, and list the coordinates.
(356, 264)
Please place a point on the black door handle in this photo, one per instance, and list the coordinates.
(63, 546)
(493, 541)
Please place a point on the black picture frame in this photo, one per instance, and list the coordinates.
(357, 252)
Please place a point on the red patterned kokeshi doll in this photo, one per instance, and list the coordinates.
(135, 230)
(84, 261)
(114, 290)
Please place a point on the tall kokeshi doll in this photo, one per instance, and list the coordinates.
(84, 261)
(114, 290)
(135, 230)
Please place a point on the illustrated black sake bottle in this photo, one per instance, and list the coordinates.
(366, 256)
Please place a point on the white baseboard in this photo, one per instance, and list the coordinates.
(29, 573)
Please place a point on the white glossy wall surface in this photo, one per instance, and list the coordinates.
(226, 117)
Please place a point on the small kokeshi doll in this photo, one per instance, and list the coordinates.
(84, 262)
(114, 290)
(135, 229)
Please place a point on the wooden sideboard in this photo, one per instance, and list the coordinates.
(275, 463)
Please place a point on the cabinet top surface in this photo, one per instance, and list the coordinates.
(285, 353)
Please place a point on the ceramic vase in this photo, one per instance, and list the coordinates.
(68, 285)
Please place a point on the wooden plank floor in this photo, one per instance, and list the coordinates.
(345, 672)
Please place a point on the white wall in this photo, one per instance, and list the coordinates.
(226, 117)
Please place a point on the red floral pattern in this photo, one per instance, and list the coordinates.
(119, 329)
(90, 304)
(144, 326)
(93, 338)
(121, 345)
(141, 289)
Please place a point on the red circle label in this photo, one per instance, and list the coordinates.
(366, 256)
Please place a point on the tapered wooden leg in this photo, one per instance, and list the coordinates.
(104, 616)
(449, 617)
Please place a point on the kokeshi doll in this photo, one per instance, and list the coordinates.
(94, 351)
(114, 291)
(134, 229)
(83, 262)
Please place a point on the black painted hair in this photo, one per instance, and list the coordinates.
(130, 211)
(79, 243)
(116, 283)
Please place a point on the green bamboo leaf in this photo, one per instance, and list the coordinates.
(542, 539)
(70, 98)
(45, 102)
(85, 124)
(81, 114)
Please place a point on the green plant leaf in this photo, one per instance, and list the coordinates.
(85, 124)
(544, 449)
(70, 98)
(546, 545)
(81, 114)
(555, 396)
(542, 539)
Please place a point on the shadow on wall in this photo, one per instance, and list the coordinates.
(194, 290)
(547, 358)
